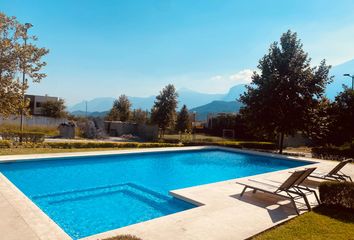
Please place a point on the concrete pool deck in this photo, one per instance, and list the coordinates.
(222, 213)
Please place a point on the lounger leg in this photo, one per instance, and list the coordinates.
(348, 177)
(317, 198)
(309, 190)
(307, 202)
(294, 204)
(243, 191)
(254, 191)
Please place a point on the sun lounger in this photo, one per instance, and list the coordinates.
(304, 189)
(335, 174)
(288, 189)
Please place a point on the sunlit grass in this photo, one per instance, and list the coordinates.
(322, 223)
(47, 130)
(17, 151)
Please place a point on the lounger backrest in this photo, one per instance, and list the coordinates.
(290, 181)
(339, 166)
(304, 176)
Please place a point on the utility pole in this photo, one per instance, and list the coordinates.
(352, 77)
(86, 109)
(27, 26)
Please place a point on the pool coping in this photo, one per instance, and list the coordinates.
(45, 228)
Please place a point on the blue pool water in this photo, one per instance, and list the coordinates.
(89, 195)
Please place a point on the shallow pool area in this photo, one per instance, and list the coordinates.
(89, 195)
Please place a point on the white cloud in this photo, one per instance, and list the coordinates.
(244, 76)
(220, 83)
(217, 78)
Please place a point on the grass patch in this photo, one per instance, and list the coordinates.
(18, 151)
(60, 147)
(195, 137)
(322, 223)
(48, 131)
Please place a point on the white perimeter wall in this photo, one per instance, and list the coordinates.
(33, 121)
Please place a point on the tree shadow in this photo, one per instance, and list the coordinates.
(344, 215)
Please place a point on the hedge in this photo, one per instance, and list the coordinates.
(34, 143)
(333, 152)
(68, 145)
(339, 194)
(5, 143)
(235, 144)
(16, 136)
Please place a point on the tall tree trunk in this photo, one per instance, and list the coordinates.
(281, 143)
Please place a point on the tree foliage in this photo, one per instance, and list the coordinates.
(163, 113)
(183, 120)
(139, 116)
(55, 109)
(217, 124)
(285, 89)
(342, 127)
(120, 110)
(319, 121)
(17, 57)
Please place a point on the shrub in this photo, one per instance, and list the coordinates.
(259, 145)
(340, 194)
(15, 136)
(333, 152)
(5, 143)
(169, 140)
(236, 144)
(68, 145)
(124, 237)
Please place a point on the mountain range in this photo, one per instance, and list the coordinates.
(191, 98)
(204, 103)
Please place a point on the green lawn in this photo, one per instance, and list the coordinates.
(16, 151)
(197, 137)
(321, 223)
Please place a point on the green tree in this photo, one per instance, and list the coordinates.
(284, 91)
(113, 114)
(55, 109)
(139, 116)
(17, 58)
(183, 120)
(163, 113)
(120, 110)
(319, 121)
(342, 127)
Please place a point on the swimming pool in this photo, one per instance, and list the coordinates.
(89, 195)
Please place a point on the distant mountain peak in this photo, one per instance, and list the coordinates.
(187, 96)
(184, 89)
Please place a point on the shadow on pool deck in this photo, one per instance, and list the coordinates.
(279, 209)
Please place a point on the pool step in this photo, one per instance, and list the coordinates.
(80, 194)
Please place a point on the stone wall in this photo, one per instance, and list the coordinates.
(298, 140)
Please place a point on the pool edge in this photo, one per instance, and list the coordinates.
(43, 224)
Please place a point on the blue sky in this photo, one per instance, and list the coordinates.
(106, 48)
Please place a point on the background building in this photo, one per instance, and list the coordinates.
(36, 101)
